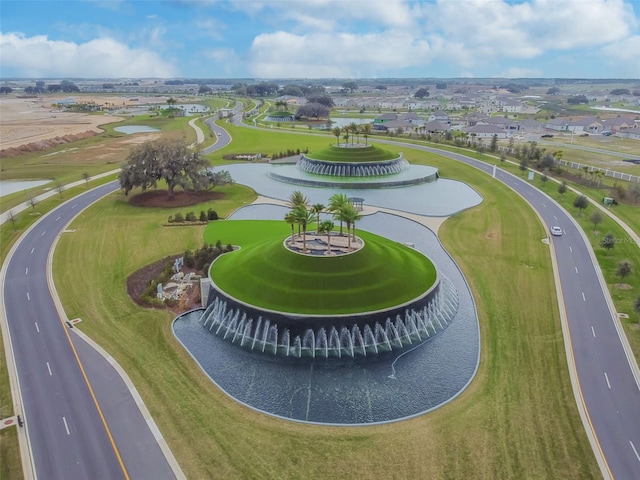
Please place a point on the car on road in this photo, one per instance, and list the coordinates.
(607, 133)
(547, 135)
(557, 231)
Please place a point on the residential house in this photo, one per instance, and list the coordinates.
(439, 116)
(486, 131)
(631, 133)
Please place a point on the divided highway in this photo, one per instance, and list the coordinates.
(84, 423)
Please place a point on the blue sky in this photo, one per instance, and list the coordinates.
(319, 38)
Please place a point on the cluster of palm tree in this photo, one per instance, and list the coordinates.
(353, 130)
(302, 214)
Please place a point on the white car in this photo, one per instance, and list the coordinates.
(557, 231)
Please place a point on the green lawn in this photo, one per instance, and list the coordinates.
(517, 419)
(371, 153)
(266, 274)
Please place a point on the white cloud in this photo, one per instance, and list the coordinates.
(388, 35)
(283, 54)
(38, 56)
(623, 57)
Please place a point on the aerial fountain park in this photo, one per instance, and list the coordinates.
(371, 325)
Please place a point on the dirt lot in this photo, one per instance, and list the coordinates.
(25, 121)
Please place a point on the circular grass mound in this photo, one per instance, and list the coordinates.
(367, 154)
(265, 274)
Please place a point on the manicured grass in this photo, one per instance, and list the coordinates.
(370, 153)
(518, 418)
(266, 274)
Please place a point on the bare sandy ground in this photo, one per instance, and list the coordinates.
(28, 120)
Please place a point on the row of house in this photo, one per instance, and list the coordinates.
(591, 124)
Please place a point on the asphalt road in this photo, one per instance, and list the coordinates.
(607, 384)
(70, 436)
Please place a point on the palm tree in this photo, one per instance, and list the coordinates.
(345, 132)
(303, 217)
(290, 218)
(350, 215)
(336, 132)
(317, 209)
(326, 226)
(171, 101)
(353, 126)
(336, 202)
(298, 198)
(366, 129)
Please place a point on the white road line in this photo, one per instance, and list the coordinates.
(634, 450)
(576, 269)
(583, 298)
(544, 205)
(74, 205)
(66, 427)
(49, 368)
(28, 296)
(32, 250)
(37, 328)
(58, 218)
(606, 377)
(555, 218)
(593, 332)
(570, 249)
(26, 271)
(42, 234)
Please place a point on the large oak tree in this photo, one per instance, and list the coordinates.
(168, 160)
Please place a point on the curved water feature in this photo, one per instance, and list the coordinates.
(350, 169)
(338, 336)
(362, 171)
(356, 390)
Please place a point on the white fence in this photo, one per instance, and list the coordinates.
(606, 171)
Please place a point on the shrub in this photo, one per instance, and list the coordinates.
(170, 219)
(191, 217)
(178, 218)
(203, 216)
(188, 259)
(212, 215)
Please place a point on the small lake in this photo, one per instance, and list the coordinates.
(12, 186)
(129, 129)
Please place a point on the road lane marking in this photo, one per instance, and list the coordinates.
(576, 269)
(66, 427)
(74, 205)
(58, 218)
(32, 250)
(634, 450)
(593, 332)
(555, 218)
(544, 205)
(28, 296)
(49, 368)
(26, 271)
(42, 234)
(606, 377)
(570, 249)
(583, 298)
(37, 328)
(95, 401)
